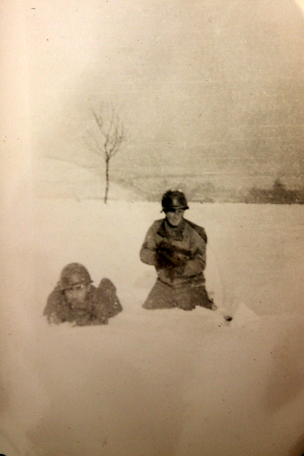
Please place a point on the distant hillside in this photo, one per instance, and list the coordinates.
(54, 178)
(62, 179)
(152, 187)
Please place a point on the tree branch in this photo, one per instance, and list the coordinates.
(109, 137)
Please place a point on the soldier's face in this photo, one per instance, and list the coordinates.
(175, 216)
(76, 297)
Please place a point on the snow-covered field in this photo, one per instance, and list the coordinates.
(159, 383)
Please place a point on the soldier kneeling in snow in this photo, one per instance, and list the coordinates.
(76, 300)
(177, 249)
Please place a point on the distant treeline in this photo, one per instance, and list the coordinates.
(279, 194)
(151, 188)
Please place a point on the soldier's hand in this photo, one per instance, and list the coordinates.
(168, 255)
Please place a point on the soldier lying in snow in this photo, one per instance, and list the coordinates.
(177, 249)
(76, 300)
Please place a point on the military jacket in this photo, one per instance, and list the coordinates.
(185, 250)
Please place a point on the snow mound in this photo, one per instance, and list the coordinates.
(243, 315)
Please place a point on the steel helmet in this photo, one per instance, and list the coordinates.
(74, 274)
(174, 199)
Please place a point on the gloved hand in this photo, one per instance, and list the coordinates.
(169, 255)
(166, 255)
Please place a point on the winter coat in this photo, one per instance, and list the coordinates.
(178, 253)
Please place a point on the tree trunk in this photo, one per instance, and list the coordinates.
(107, 182)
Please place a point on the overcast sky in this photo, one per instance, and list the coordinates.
(209, 87)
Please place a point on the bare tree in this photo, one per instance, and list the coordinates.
(106, 139)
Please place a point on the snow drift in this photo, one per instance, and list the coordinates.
(164, 382)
